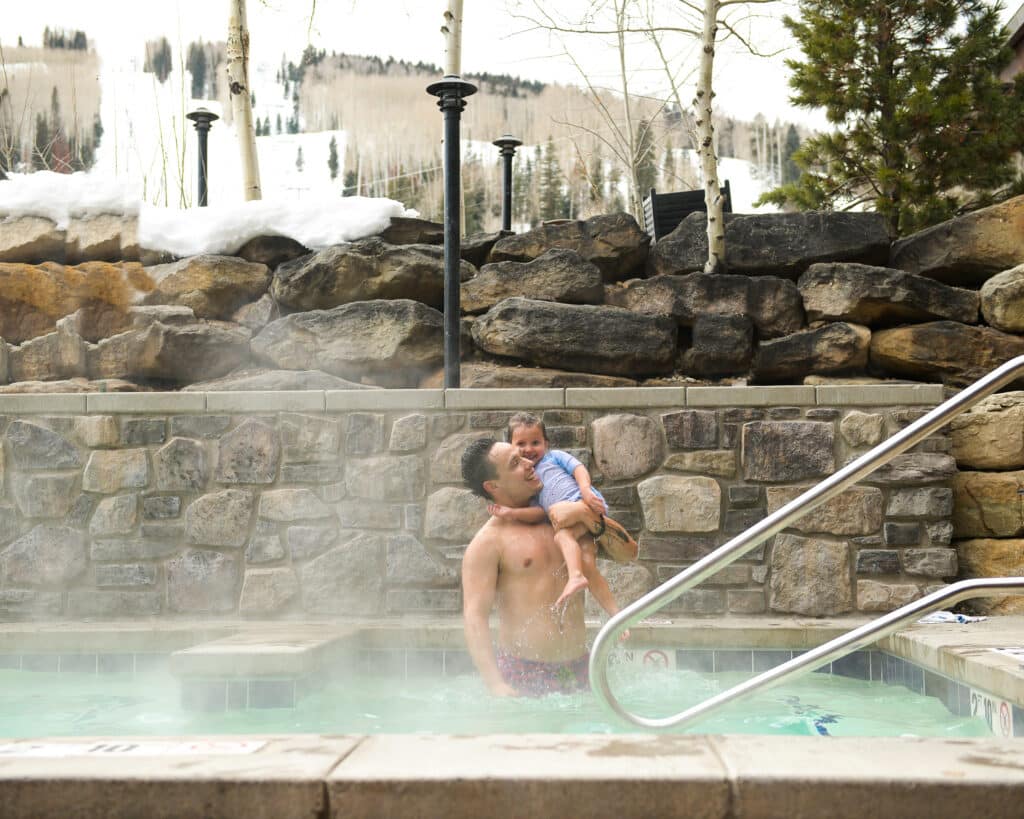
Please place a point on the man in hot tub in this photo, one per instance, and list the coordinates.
(541, 649)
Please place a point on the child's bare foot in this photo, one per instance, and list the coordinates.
(575, 585)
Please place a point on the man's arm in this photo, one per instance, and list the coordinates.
(523, 514)
(479, 585)
(567, 515)
(593, 502)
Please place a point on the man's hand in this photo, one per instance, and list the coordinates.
(503, 689)
(593, 502)
(567, 515)
(499, 511)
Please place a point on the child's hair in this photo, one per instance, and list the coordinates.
(524, 419)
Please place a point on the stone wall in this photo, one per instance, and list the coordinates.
(350, 503)
(988, 519)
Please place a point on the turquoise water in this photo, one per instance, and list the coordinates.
(37, 704)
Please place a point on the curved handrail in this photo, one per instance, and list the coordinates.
(770, 525)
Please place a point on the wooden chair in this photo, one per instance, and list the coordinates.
(664, 211)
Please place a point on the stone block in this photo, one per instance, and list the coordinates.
(926, 502)
(739, 520)
(930, 562)
(674, 547)
(810, 576)
(878, 561)
(787, 450)
(33, 446)
(454, 515)
(202, 581)
(113, 604)
(306, 542)
(988, 504)
(446, 464)
(408, 562)
(141, 431)
(676, 504)
(784, 413)
(445, 424)
(199, 426)
(856, 511)
(353, 566)
(873, 595)
(19, 603)
(312, 473)
(367, 515)
(744, 497)
(310, 437)
(902, 534)
(386, 477)
(699, 602)
(939, 534)
(115, 516)
(220, 518)
(408, 433)
(290, 505)
(113, 575)
(144, 548)
(990, 435)
(993, 557)
(691, 429)
(913, 470)
(110, 471)
(250, 453)
(627, 446)
(862, 428)
(47, 556)
(364, 434)
(267, 591)
(745, 601)
(44, 496)
(180, 465)
(428, 601)
(97, 431)
(628, 582)
(265, 546)
(717, 463)
(566, 437)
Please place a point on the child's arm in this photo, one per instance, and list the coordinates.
(526, 514)
(593, 502)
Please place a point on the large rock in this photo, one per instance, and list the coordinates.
(54, 356)
(213, 286)
(627, 446)
(969, 249)
(363, 271)
(104, 237)
(250, 453)
(720, 345)
(34, 297)
(44, 496)
(271, 250)
(70, 385)
(780, 244)
(990, 435)
(991, 557)
(33, 446)
(488, 374)
(346, 580)
(672, 503)
(810, 576)
(261, 380)
(30, 239)
(1002, 300)
(557, 275)
(220, 518)
(615, 243)
(832, 348)
(386, 477)
(787, 450)
(878, 296)
(944, 351)
(771, 303)
(46, 556)
(180, 464)
(407, 230)
(454, 515)
(914, 469)
(391, 343)
(111, 470)
(409, 562)
(267, 591)
(203, 581)
(606, 340)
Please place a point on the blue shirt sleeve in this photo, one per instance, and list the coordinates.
(564, 460)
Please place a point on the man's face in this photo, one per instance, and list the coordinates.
(516, 479)
(530, 442)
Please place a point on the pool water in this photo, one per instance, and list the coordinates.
(38, 704)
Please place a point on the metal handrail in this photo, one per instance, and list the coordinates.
(776, 522)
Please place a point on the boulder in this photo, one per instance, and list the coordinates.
(30, 239)
(607, 340)
(260, 380)
(627, 446)
(968, 250)
(487, 374)
(213, 286)
(990, 435)
(258, 314)
(70, 385)
(34, 447)
(34, 297)
(771, 303)
(406, 230)
(721, 345)
(557, 275)
(1002, 300)
(476, 248)
(673, 503)
(98, 238)
(271, 250)
(267, 591)
(779, 244)
(810, 576)
(856, 511)
(362, 271)
(944, 351)
(347, 579)
(203, 581)
(220, 518)
(57, 355)
(46, 556)
(833, 348)
(881, 296)
(991, 557)
(777, 451)
(614, 242)
(391, 343)
(988, 504)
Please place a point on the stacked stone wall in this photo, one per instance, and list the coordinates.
(350, 504)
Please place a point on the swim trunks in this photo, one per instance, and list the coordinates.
(533, 678)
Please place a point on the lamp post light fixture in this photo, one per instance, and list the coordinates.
(203, 119)
(451, 93)
(508, 145)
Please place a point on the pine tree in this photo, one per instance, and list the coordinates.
(597, 180)
(196, 64)
(790, 170)
(332, 158)
(279, 122)
(553, 202)
(923, 128)
(351, 181)
(158, 59)
(299, 161)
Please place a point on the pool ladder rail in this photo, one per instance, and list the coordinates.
(734, 549)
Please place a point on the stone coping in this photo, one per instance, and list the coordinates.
(465, 777)
(469, 399)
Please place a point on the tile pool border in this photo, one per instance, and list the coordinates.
(320, 401)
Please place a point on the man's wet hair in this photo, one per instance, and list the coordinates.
(524, 419)
(477, 466)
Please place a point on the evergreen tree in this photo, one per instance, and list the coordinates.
(790, 170)
(41, 145)
(553, 202)
(332, 158)
(923, 128)
(597, 180)
(351, 180)
(279, 122)
(196, 64)
(299, 161)
(158, 59)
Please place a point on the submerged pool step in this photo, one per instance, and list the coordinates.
(265, 669)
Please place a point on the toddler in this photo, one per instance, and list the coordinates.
(566, 480)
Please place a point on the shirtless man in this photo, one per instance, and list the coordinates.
(540, 649)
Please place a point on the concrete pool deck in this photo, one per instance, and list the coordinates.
(630, 775)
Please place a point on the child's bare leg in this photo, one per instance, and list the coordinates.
(570, 549)
(597, 584)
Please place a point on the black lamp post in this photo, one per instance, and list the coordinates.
(203, 119)
(451, 92)
(508, 145)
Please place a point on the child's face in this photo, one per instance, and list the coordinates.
(529, 440)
